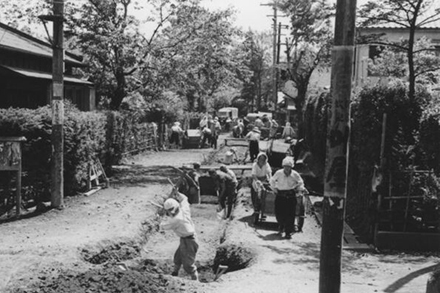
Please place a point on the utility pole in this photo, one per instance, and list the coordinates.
(274, 65)
(335, 183)
(57, 192)
(274, 62)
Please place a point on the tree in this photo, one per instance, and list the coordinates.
(409, 14)
(257, 57)
(309, 45)
(392, 62)
(23, 15)
(204, 61)
(112, 44)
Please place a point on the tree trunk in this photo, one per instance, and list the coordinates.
(412, 77)
(299, 104)
(433, 285)
(120, 92)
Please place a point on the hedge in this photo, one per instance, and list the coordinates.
(106, 136)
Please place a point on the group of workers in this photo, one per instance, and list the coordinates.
(288, 187)
(286, 184)
(210, 129)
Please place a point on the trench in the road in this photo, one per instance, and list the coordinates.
(227, 258)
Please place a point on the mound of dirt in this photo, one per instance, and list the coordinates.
(108, 279)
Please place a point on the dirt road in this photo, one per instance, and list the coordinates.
(109, 242)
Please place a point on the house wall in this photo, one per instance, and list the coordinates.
(361, 77)
(25, 92)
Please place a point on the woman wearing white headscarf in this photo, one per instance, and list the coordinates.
(261, 174)
(286, 183)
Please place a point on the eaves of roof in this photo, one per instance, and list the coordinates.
(43, 75)
(15, 40)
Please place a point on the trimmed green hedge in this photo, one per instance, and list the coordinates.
(87, 135)
(412, 142)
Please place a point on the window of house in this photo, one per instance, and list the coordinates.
(374, 51)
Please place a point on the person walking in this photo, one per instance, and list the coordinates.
(178, 219)
(253, 137)
(261, 174)
(226, 187)
(286, 183)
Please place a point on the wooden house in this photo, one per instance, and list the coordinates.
(26, 73)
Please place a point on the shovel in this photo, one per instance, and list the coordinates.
(220, 271)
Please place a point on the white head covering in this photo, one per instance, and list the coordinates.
(288, 161)
(171, 204)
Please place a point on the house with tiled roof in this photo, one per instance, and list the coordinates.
(26, 73)
(393, 32)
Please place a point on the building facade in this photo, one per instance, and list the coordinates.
(26, 73)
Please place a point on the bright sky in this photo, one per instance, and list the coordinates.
(252, 14)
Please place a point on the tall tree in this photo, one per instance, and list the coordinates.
(198, 54)
(309, 43)
(257, 52)
(109, 38)
(409, 14)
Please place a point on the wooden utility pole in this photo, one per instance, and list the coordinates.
(274, 65)
(274, 62)
(335, 183)
(57, 192)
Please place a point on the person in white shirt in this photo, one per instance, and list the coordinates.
(176, 131)
(261, 174)
(253, 137)
(286, 183)
(178, 219)
(288, 131)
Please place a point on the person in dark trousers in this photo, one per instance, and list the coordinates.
(253, 138)
(286, 183)
(261, 174)
(178, 219)
(226, 189)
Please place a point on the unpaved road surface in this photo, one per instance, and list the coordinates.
(108, 242)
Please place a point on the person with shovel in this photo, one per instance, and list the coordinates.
(178, 219)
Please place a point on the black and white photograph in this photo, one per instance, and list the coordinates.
(220, 146)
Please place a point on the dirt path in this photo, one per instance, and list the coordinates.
(109, 239)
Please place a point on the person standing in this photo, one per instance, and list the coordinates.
(261, 174)
(288, 131)
(178, 219)
(253, 138)
(226, 187)
(176, 132)
(286, 183)
(215, 132)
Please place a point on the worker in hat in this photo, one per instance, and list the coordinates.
(286, 183)
(253, 137)
(178, 219)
